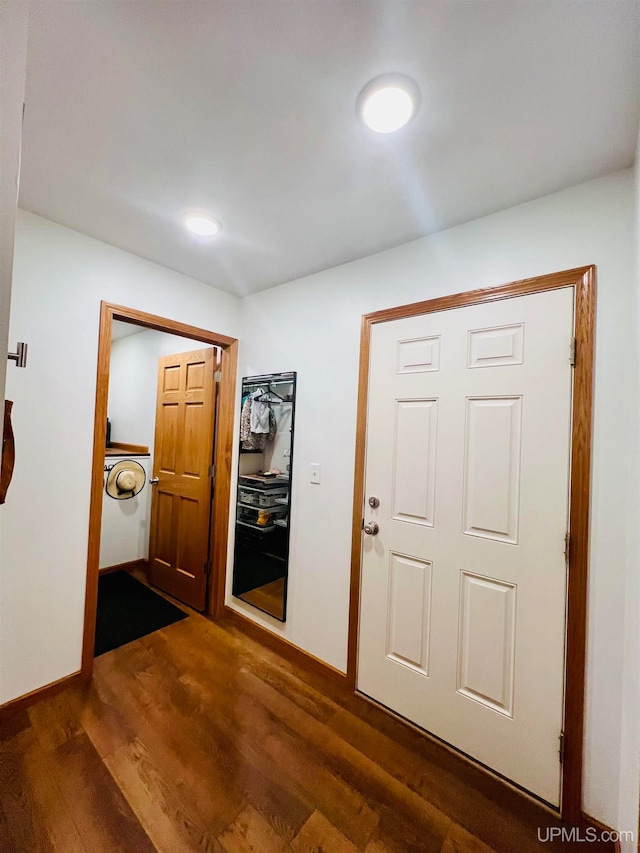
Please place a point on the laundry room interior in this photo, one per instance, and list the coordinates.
(133, 374)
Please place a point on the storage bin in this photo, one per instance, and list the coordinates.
(257, 481)
(271, 498)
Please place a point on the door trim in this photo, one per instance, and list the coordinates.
(583, 279)
(223, 456)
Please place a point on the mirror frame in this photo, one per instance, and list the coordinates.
(290, 377)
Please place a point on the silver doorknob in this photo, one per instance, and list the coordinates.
(371, 529)
(154, 481)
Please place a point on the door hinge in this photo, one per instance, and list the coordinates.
(217, 376)
(212, 472)
(207, 567)
(572, 352)
(561, 748)
(567, 546)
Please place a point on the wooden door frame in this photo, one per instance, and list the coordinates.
(583, 279)
(222, 459)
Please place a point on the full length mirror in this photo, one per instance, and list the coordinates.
(264, 492)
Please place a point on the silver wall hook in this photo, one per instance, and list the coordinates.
(20, 357)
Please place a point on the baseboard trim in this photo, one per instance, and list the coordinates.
(282, 646)
(130, 566)
(589, 822)
(23, 702)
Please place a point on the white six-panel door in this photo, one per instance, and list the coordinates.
(462, 611)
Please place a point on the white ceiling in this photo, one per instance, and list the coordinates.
(136, 111)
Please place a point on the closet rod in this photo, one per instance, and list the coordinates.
(266, 381)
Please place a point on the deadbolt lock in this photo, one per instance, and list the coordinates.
(374, 503)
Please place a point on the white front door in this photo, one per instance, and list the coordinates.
(462, 609)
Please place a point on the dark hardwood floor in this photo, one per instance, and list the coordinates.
(196, 738)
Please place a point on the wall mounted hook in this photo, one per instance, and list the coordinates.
(20, 357)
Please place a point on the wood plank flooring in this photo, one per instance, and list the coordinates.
(196, 738)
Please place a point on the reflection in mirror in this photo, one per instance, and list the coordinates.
(264, 492)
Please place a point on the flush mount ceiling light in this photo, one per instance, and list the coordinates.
(388, 102)
(203, 226)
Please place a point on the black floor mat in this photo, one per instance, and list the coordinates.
(128, 610)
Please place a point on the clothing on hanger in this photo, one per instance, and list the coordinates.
(250, 439)
(259, 414)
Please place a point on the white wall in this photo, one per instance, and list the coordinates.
(13, 60)
(14, 16)
(630, 725)
(124, 534)
(60, 277)
(317, 334)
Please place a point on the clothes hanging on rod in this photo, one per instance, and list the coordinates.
(260, 411)
(250, 440)
(270, 379)
(270, 394)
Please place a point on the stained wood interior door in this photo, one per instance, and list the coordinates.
(183, 454)
(462, 611)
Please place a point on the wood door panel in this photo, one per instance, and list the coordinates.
(192, 462)
(171, 378)
(166, 449)
(184, 451)
(164, 550)
(189, 553)
(195, 377)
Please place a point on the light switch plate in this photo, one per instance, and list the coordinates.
(315, 473)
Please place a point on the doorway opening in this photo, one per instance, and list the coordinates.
(196, 390)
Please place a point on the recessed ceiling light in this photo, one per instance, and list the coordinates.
(388, 102)
(203, 226)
